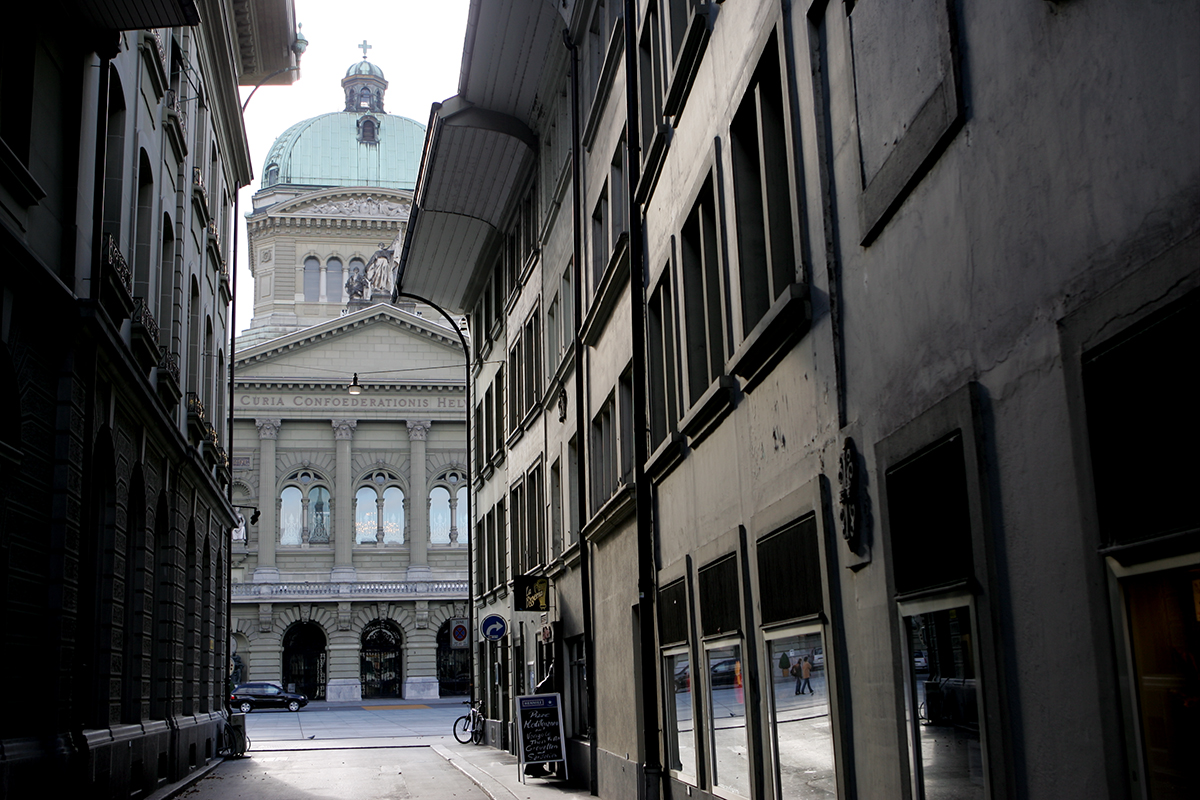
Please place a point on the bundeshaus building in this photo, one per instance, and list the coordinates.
(349, 432)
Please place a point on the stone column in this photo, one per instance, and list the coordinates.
(379, 519)
(322, 294)
(418, 548)
(343, 526)
(268, 501)
(454, 518)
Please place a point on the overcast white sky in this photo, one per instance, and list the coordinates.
(418, 45)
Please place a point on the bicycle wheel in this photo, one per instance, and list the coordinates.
(477, 734)
(462, 729)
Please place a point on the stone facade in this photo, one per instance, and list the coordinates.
(837, 348)
(346, 586)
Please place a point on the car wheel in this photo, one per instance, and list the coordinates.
(293, 705)
(245, 707)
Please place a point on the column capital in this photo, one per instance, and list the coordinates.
(268, 428)
(418, 429)
(344, 428)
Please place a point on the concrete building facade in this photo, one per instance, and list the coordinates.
(122, 146)
(348, 584)
(815, 346)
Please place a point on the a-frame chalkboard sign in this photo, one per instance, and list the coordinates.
(540, 730)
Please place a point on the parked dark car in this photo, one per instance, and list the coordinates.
(249, 696)
(724, 673)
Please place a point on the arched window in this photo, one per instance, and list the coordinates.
(357, 264)
(193, 338)
(334, 290)
(272, 175)
(143, 242)
(460, 514)
(312, 279)
(439, 515)
(318, 515)
(290, 516)
(366, 523)
(368, 131)
(166, 283)
(393, 515)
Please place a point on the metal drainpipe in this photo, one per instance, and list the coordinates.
(585, 569)
(647, 568)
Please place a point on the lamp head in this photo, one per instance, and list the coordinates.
(355, 387)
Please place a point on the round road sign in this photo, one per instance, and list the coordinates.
(459, 632)
(493, 627)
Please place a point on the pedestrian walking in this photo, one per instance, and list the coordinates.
(803, 673)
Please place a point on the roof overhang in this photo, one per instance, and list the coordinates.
(479, 149)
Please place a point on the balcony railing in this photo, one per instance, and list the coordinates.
(115, 261)
(144, 317)
(250, 591)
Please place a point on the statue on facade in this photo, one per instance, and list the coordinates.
(356, 285)
(379, 271)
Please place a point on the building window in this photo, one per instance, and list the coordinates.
(600, 243)
(334, 288)
(664, 412)
(577, 687)
(789, 572)
(516, 394)
(291, 518)
(320, 521)
(802, 736)
(498, 411)
(312, 279)
(650, 78)
(603, 454)
(933, 525)
(700, 275)
(763, 195)
(725, 700)
(366, 523)
(272, 175)
(556, 526)
(680, 723)
(393, 515)
(439, 515)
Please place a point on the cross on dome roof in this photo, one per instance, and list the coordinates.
(365, 47)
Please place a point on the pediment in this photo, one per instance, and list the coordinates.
(382, 344)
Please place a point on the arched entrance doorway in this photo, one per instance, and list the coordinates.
(382, 647)
(453, 665)
(304, 660)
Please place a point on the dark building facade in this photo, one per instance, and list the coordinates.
(122, 150)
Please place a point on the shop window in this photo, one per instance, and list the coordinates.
(935, 539)
(726, 703)
(800, 725)
(680, 722)
(942, 702)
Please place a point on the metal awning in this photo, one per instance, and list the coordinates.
(479, 147)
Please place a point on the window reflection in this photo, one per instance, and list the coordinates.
(727, 707)
(439, 515)
(365, 525)
(290, 516)
(681, 728)
(943, 693)
(800, 716)
(318, 509)
(393, 516)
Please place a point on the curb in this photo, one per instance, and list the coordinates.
(173, 790)
(490, 786)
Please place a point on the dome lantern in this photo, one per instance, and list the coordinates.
(364, 85)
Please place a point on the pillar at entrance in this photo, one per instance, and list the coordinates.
(268, 502)
(418, 548)
(343, 526)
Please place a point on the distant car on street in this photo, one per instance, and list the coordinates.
(818, 658)
(920, 662)
(249, 696)
(724, 673)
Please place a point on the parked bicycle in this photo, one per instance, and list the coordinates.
(469, 727)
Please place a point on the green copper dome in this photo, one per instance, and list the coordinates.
(347, 149)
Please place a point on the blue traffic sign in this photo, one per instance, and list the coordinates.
(493, 627)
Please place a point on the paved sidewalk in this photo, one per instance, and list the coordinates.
(496, 772)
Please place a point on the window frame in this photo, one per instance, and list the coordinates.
(959, 412)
